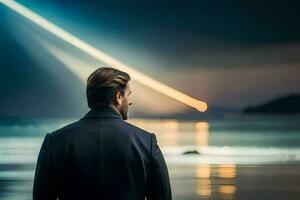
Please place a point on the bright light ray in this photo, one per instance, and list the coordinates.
(92, 51)
(78, 68)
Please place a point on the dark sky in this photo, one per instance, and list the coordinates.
(190, 33)
(228, 53)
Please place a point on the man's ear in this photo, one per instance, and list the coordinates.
(118, 98)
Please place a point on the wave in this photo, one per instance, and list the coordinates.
(24, 150)
(230, 154)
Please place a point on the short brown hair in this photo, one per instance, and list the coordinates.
(102, 85)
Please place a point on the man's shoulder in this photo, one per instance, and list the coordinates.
(136, 129)
(65, 129)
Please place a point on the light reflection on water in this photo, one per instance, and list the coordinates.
(216, 179)
(208, 171)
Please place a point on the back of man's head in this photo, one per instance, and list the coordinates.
(102, 85)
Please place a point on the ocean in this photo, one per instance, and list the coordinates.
(234, 158)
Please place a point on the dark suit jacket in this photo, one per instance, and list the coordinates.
(101, 156)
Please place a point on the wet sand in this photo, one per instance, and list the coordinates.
(245, 182)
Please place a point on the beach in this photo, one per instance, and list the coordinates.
(247, 182)
(225, 159)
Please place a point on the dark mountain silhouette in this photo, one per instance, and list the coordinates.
(286, 104)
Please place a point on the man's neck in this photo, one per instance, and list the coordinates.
(115, 108)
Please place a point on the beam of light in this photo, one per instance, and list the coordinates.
(101, 56)
(78, 68)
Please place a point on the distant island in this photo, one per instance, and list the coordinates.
(289, 104)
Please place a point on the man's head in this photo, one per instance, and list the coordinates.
(109, 87)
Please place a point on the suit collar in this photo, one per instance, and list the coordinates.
(104, 111)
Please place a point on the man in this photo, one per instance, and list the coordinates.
(101, 156)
